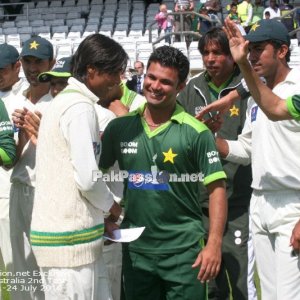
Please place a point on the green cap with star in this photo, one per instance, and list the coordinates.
(268, 29)
(37, 47)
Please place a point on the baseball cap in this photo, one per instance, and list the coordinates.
(8, 55)
(62, 68)
(37, 47)
(268, 29)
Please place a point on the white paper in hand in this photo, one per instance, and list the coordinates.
(126, 235)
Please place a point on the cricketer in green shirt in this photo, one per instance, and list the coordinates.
(7, 142)
(164, 168)
(163, 153)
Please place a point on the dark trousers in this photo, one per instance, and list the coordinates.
(161, 277)
(234, 269)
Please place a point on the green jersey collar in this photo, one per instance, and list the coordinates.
(178, 114)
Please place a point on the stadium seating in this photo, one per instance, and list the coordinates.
(2, 38)
(1, 13)
(42, 4)
(66, 22)
(22, 23)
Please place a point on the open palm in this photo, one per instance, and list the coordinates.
(238, 45)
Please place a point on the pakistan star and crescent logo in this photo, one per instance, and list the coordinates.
(169, 156)
(253, 28)
(234, 111)
(34, 45)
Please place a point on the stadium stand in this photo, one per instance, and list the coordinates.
(131, 22)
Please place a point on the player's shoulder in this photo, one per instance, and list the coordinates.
(124, 120)
(193, 123)
(187, 120)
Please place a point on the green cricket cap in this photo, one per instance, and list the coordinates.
(268, 29)
(8, 55)
(37, 47)
(62, 68)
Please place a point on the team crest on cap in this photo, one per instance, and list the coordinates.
(59, 64)
(254, 26)
(34, 45)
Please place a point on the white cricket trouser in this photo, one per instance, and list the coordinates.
(88, 282)
(25, 268)
(5, 245)
(112, 255)
(273, 217)
(252, 295)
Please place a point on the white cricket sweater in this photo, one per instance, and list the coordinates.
(273, 146)
(67, 222)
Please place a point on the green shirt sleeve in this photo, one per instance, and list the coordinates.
(107, 158)
(293, 106)
(206, 156)
(7, 142)
(128, 95)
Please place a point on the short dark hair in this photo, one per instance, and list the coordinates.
(101, 52)
(217, 36)
(138, 61)
(277, 44)
(171, 57)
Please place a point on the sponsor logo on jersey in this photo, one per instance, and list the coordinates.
(213, 157)
(129, 147)
(154, 180)
(5, 123)
(254, 113)
(207, 116)
(6, 126)
(198, 109)
(147, 181)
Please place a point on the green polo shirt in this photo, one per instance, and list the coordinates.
(7, 142)
(164, 166)
(293, 106)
